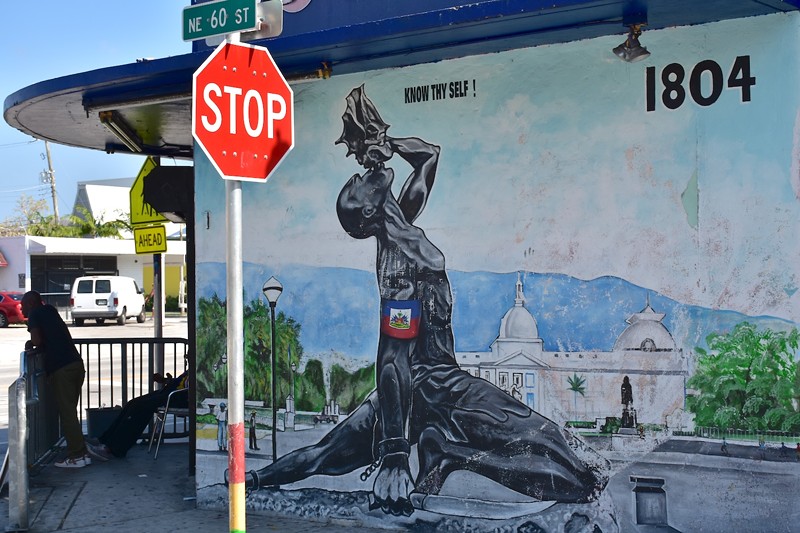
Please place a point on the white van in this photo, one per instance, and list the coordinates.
(106, 297)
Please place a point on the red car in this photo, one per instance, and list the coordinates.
(10, 308)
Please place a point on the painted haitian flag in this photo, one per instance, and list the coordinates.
(400, 318)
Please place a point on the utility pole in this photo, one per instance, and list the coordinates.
(51, 174)
(158, 301)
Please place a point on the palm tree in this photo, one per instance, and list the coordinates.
(81, 224)
(85, 225)
(212, 335)
(577, 385)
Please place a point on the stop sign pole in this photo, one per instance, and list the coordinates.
(242, 118)
(235, 310)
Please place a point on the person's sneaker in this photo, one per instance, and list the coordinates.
(74, 462)
(99, 452)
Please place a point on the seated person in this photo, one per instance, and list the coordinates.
(127, 428)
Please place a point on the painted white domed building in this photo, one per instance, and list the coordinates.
(585, 385)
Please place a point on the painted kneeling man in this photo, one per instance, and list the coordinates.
(422, 397)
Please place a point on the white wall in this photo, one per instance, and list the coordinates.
(15, 251)
(131, 266)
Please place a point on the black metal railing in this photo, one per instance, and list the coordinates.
(39, 409)
(122, 368)
(116, 371)
(740, 434)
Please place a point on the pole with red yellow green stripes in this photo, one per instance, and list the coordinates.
(236, 466)
(235, 311)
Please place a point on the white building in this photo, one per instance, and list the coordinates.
(50, 264)
(105, 200)
(645, 352)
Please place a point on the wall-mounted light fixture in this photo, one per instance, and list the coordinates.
(322, 73)
(631, 50)
(114, 123)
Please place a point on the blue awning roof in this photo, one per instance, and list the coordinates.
(154, 97)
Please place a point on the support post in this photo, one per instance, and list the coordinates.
(274, 383)
(158, 312)
(236, 466)
(18, 515)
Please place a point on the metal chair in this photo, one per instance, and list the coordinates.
(161, 415)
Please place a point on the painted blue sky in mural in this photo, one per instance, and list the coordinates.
(576, 199)
(337, 308)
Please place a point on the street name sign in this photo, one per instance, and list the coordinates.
(217, 18)
(150, 239)
(242, 112)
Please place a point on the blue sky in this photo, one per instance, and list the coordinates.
(49, 39)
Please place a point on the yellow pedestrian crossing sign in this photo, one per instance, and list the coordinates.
(141, 211)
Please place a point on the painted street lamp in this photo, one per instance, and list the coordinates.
(294, 369)
(272, 290)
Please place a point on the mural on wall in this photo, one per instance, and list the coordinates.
(620, 264)
(457, 421)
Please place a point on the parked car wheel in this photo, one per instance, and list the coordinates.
(77, 321)
(141, 317)
(121, 319)
(3, 320)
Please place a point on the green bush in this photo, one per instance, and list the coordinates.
(170, 304)
(612, 425)
(207, 418)
(581, 424)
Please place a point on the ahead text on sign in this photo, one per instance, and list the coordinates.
(150, 239)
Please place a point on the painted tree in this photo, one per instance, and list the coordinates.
(348, 388)
(577, 385)
(212, 348)
(310, 387)
(748, 378)
(351, 388)
(309, 381)
(258, 353)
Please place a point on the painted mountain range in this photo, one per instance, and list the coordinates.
(338, 310)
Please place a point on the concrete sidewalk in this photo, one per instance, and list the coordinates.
(138, 494)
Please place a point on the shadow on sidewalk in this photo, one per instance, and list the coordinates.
(119, 491)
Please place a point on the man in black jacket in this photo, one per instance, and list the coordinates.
(65, 373)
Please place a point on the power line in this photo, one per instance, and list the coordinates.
(18, 143)
(12, 191)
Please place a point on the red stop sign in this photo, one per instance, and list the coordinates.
(242, 112)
